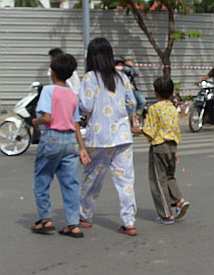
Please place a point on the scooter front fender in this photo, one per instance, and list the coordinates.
(18, 121)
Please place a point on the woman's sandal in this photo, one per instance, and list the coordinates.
(43, 226)
(71, 231)
(130, 231)
(85, 224)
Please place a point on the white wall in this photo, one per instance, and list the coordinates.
(26, 35)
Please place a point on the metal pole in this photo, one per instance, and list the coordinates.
(86, 25)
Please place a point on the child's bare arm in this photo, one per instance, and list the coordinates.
(45, 118)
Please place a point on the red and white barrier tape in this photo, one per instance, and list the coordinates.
(185, 67)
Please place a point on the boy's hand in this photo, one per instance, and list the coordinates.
(84, 157)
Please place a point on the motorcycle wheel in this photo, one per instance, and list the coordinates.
(12, 144)
(194, 122)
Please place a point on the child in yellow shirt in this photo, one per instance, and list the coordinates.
(162, 129)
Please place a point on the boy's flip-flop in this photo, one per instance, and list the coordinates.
(43, 226)
(130, 231)
(70, 231)
(181, 210)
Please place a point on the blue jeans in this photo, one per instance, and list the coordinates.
(140, 98)
(57, 154)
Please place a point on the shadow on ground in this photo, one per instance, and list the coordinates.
(103, 220)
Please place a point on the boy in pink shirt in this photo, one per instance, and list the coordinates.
(57, 152)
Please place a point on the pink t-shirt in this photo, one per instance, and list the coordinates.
(62, 104)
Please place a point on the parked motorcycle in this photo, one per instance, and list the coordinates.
(17, 131)
(202, 109)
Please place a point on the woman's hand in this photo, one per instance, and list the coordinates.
(34, 121)
(136, 131)
(84, 157)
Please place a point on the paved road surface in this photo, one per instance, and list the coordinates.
(186, 248)
(192, 143)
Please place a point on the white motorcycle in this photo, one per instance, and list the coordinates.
(17, 132)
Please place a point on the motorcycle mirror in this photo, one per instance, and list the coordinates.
(203, 84)
(35, 84)
(210, 96)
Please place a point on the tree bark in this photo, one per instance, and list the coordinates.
(170, 42)
(166, 65)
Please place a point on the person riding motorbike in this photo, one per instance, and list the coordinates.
(74, 81)
(126, 65)
(210, 76)
(202, 109)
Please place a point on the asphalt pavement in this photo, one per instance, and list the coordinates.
(185, 248)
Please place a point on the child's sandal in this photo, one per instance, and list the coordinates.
(43, 226)
(71, 231)
(181, 209)
(166, 220)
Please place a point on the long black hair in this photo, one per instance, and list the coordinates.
(100, 59)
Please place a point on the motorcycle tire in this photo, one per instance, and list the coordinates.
(10, 145)
(194, 120)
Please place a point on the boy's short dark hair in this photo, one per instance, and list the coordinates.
(63, 66)
(54, 52)
(164, 87)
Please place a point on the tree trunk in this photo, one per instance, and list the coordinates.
(165, 54)
(170, 42)
(166, 65)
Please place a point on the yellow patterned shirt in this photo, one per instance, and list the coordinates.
(162, 123)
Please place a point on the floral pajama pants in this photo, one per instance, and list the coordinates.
(119, 160)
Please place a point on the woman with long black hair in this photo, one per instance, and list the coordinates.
(107, 98)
